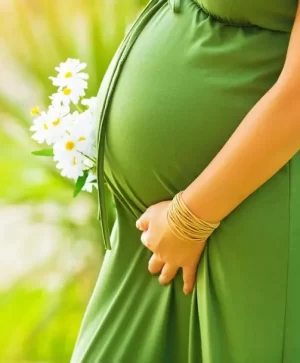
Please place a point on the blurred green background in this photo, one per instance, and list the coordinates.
(51, 249)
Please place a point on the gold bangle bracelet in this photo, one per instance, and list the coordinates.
(185, 225)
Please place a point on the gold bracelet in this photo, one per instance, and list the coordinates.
(185, 225)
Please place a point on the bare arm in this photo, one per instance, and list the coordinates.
(266, 139)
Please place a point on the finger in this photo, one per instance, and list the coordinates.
(168, 272)
(143, 222)
(155, 265)
(189, 278)
(145, 238)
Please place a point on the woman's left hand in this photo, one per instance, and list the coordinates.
(169, 252)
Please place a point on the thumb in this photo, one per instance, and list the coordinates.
(143, 222)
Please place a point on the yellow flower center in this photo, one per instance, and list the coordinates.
(68, 75)
(56, 122)
(35, 111)
(69, 145)
(45, 126)
(67, 91)
(74, 160)
(82, 138)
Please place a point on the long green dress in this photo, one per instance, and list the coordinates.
(182, 80)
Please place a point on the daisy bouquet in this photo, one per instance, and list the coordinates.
(67, 127)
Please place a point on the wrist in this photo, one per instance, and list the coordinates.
(200, 206)
(185, 224)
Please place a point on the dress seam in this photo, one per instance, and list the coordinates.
(288, 266)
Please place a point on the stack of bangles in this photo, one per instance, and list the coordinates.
(185, 225)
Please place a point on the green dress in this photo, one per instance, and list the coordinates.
(181, 81)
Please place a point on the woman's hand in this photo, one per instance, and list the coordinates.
(169, 252)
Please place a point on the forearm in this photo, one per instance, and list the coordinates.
(265, 140)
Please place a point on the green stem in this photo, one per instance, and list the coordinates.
(88, 157)
(79, 108)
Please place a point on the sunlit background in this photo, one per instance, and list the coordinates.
(51, 248)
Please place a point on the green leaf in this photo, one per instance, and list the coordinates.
(43, 152)
(80, 183)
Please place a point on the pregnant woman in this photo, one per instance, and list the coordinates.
(199, 132)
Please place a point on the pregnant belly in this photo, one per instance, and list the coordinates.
(187, 83)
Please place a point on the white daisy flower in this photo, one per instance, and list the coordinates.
(41, 128)
(75, 148)
(84, 128)
(72, 135)
(59, 121)
(71, 120)
(90, 103)
(66, 95)
(69, 73)
(50, 125)
(86, 118)
(70, 161)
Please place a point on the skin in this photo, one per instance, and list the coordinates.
(266, 139)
